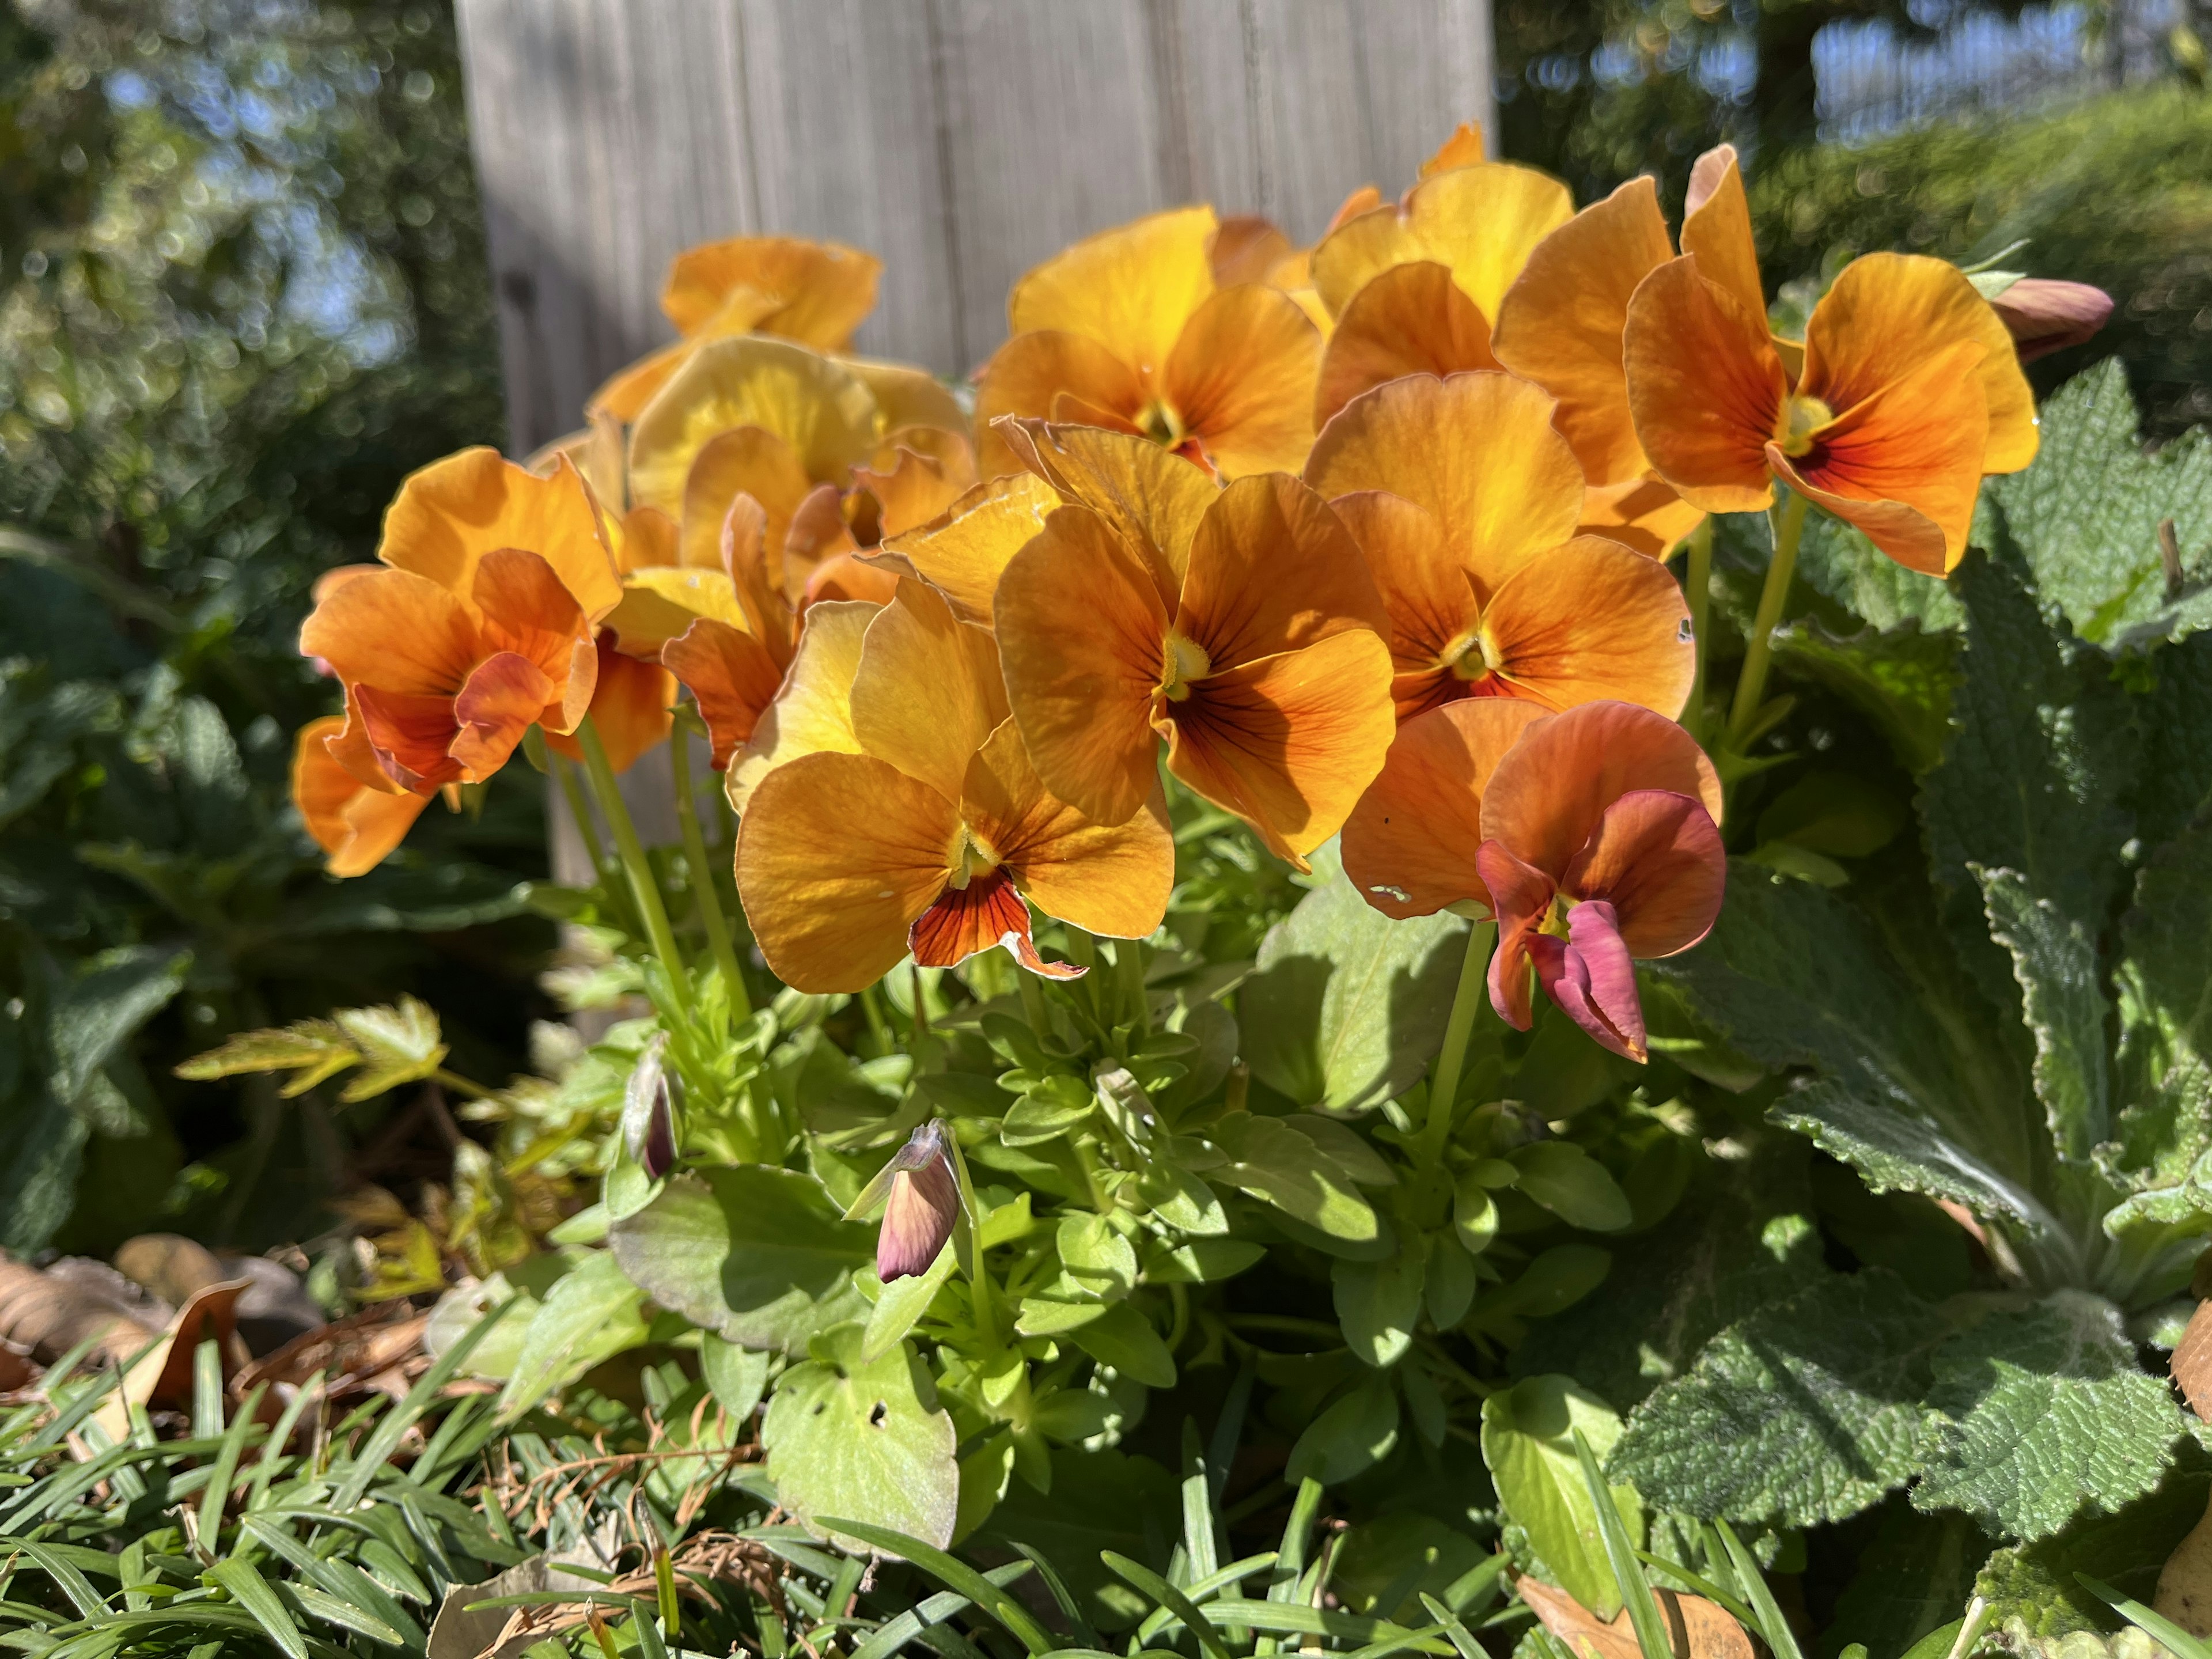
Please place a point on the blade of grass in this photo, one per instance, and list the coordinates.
(953, 1575)
(1160, 1617)
(1471, 1593)
(2160, 1628)
(272, 1448)
(383, 1439)
(207, 1391)
(1627, 1572)
(1143, 1578)
(1198, 1528)
(217, 1497)
(1462, 1637)
(1070, 1608)
(246, 1587)
(1703, 1586)
(1781, 1640)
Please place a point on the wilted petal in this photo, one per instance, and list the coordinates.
(1548, 792)
(731, 675)
(1591, 977)
(1707, 388)
(837, 855)
(1412, 846)
(1240, 381)
(1561, 322)
(1655, 857)
(1889, 316)
(2044, 315)
(1411, 319)
(648, 1116)
(1082, 637)
(1592, 620)
(1289, 743)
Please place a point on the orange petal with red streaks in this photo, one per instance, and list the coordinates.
(731, 675)
(1591, 620)
(1029, 371)
(1706, 386)
(1241, 380)
(500, 701)
(1272, 569)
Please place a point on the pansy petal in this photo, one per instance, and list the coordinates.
(394, 630)
(629, 709)
(1589, 620)
(1152, 498)
(817, 533)
(1889, 314)
(1548, 792)
(1411, 319)
(1520, 897)
(967, 920)
(848, 576)
(1241, 380)
(645, 539)
(660, 603)
(1462, 149)
(731, 677)
(1478, 451)
(1029, 372)
(1916, 444)
(1426, 592)
(1592, 978)
(526, 610)
(812, 712)
(1655, 857)
(357, 826)
(916, 488)
(629, 390)
(1082, 642)
(815, 293)
(1481, 221)
(1645, 513)
(1412, 845)
(1246, 246)
(1289, 743)
(1109, 879)
(1560, 324)
(1717, 229)
(450, 514)
(1131, 289)
(837, 855)
(963, 553)
(410, 734)
(908, 398)
(745, 461)
(1272, 569)
(499, 701)
(816, 406)
(926, 693)
(1706, 386)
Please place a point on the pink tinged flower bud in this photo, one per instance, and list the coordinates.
(2045, 315)
(923, 1203)
(648, 1118)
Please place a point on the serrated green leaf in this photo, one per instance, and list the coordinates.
(860, 1441)
(1347, 1006)
(2054, 957)
(1807, 1411)
(1528, 1442)
(2164, 982)
(1838, 561)
(760, 1255)
(315, 1048)
(2044, 1412)
(2173, 715)
(398, 1044)
(2085, 512)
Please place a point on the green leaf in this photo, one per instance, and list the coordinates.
(1807, 1411)
(1123, 1338)
(2034, 1593)
(2164, 982)
(1528, 1442)
(1379, 1302)
(2153, 1624)
(101, 1006)
(1100, 1501)
(1347, 1006)
(2044, 1412)
(864, 1442)
(1095, 1255)
(2086, 513)
(1354, 1434)
(588, 1315)
(1901, 678)
(760, 1255)
(736, 1376)
(1571, 1184)
(960, 1577)
(1918, 1568)
(398, 1043)
(903, 1303)
(315, 1049)
(1282, 1167)
(246, 1586)
(1403, 1552)
(1838, 561)
(2173, 715)
(2055, 960)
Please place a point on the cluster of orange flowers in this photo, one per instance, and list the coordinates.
(1368, 538)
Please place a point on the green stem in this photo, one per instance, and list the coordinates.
(1467, 999)
(460, 1086)
(1129, 966)
(703, 877)
(1033, 1003)
(878, 1028)
(643, 887)
(1751, 686)
(1698, 580)
(580, 809)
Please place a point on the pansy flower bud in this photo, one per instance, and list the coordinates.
(2044, 315)
(648, 1118)
(920, 1197)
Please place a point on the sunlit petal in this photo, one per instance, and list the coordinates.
(1153, 499)
(450, 514)
(745, 462)
(731, 675)
(1592, 977)
(963, 553)
(1130, 289)
(1589, 620)
(926, 692)
(1549, 791)
(813, 404)
(1707, 388)
(815, 293)
(394, 630)
(1272, 569)
(1656, 858)
(1411, 319)
(813, 713)
(1426, 592)
(1717, 229)
(1027, 374)
(357, 825)
(1240, 381)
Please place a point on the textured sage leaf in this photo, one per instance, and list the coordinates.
(1347, 1006)
(759, 1255)
(2165, 1061)
(2045, 1414)
(859, 1441)
(1527, 1441)
(1806, 1411)
(2054, 957)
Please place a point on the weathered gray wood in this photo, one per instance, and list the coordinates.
(960, 141)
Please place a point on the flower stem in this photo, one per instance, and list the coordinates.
(1129, 966)
(711, 918)
(580, 809)
(643, 888)
(1466, 1000)
(1788, 525)
(1698, 580)
(1033, 1003)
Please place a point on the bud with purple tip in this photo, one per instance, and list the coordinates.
(648, 1118)
(920, 1197)
(2044, 315)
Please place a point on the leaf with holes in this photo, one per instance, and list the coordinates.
(866, 1442)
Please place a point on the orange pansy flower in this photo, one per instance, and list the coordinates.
(1591, 835)
(1130, 330)
(1906, 391)
(357, 823)
(1415, 287)
(931, 834)
(1465, 497)
(1240, 624)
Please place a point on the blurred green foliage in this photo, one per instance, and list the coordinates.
(242, 293)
